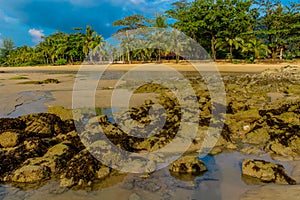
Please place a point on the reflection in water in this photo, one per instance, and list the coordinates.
(30, 103)
(208, 186)
(223, 177)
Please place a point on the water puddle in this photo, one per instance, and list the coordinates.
(30, 103)
(221, 181)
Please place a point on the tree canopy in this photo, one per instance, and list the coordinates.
(227, 29)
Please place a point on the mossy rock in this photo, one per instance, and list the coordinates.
(57, 151)
(266, 172)
(18, 78)
(43, 124)
(291, 150)
(31, 174)
(103, 172)
(9, 139)
(63, 113)
(47, 81)
(290, 118)
(258, 136)
(293, 89)
(248, 115)
(188, 164)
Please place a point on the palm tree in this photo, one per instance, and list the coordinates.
(255, 46)
(128, 23)
(236, 42)
(90, 41)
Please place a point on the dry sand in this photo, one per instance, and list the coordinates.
(222, 67)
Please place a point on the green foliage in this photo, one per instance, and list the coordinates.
(5, 49)
(58, 48)
(217, 20)
(279, 26)
(61, 61)
(30, 63)
(235, 29)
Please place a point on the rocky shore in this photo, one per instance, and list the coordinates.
(262, 117)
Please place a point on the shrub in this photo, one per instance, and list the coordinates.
(61, 62)
(27, 64)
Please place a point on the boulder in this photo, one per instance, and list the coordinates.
(9, 139)
(82, 166)
(258, 136)
(43, 125)
(31, 174)
(9, 124)
(266, 172)
(103, 172)
(188, 164)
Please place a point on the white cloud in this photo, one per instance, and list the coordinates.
(36, 34)
(137, 1)
(7, 19)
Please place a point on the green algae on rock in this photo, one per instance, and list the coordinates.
(266, 172)
(9, 139)
(188, 164)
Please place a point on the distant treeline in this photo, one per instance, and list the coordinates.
(227, 29)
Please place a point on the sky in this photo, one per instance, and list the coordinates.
(26, 21)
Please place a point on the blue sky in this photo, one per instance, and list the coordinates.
(25, 21)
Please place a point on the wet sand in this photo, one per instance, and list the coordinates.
(12, 93)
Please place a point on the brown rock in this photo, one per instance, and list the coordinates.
(9, 139)
(31, 174)
(266, 172)
(188, 164)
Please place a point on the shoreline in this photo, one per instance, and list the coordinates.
(221, 66)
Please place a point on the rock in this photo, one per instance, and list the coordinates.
(103, 172)
(67, 182)
(258, 136)
(14, 158)
(11, 124)
(58, 151)
(253, 149)
(276, 147)
(98, 119)
(188, 164)
(9, 139)
(266, 172)
(31, 174)
(82, 166)
(216, 150)
(55, 158)
(43, 125)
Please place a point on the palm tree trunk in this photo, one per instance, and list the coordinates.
(177, 58)
(128, 55)
(213, 50)
(281, 52)
(274, 54)
(231, 53)
(159, 56)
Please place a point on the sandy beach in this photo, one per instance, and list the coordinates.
(222, 67)
(20, 99)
